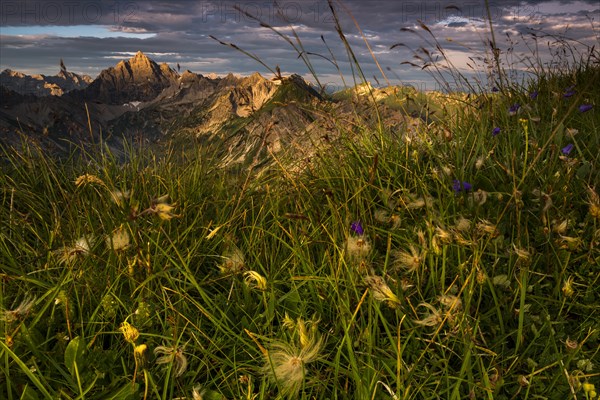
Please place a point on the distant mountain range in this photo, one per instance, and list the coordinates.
(248, 119)
(42, 85)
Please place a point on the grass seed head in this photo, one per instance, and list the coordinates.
(285, 364)
(119, 240)
(119, 197)
(358, 247)
(571, 344)
(569, 243)
(594, 203)
(234, 262)
(484, 227)
(198, 393)
(567, 288)
(463, 224)
(450, 301)
(409, 260)
(173, 355)
(288, 322)
(381, 291)
(20, 312)
(523, 255)
(444, 236)
(433, 318)
(382, 216)
(88, 179)
(480, 196)
(68, 254)
(560, 227)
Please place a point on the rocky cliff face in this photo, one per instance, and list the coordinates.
(138, 79)
(42, 85)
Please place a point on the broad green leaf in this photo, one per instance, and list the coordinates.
(74, 355)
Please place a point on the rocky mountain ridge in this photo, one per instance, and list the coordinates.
(44, 85)
(247, 120)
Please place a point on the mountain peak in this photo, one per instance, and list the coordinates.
(142, 62)
(139, 56)
(136, 79)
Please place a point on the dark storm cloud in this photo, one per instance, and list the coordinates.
(180, 33)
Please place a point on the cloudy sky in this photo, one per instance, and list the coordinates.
(90, 35)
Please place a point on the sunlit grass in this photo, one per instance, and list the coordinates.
(407, 265)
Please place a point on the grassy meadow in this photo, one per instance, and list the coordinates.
(460, 261)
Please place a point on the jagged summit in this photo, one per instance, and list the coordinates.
(140, 63)
(140, 56)
(136, 79)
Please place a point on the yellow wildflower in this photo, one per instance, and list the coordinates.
(164, 211)
(86, 179)
(567, 288)
(161, 208)
(129, 332)
(590, 390)
(289, 322)
(255, 280)
(138, 353)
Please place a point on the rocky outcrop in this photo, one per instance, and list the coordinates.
(241, 99)
(138, 79)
